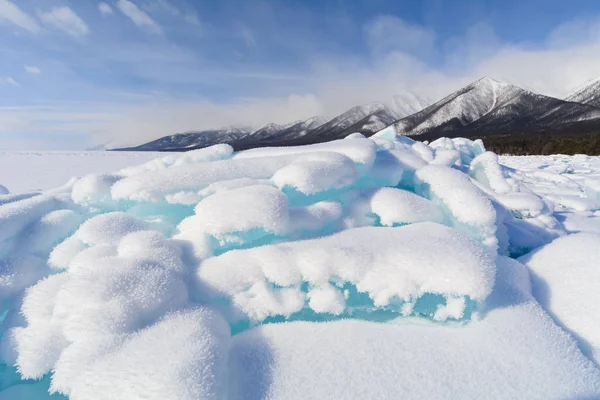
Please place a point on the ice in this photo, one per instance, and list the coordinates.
(565, 276)
(388, 264)
(231, 216)
(93, 190)
(514, 352)
(395, 206)
(316, 172)
(3, 190)
(470, 208)
(108, 228)
(485, 169)
(15, 216)
(316, 217)
(524, 204)
(359, 268)
(360, 151)
(156, 184)
(213, 153)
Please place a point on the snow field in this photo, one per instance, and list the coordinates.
(166, 280)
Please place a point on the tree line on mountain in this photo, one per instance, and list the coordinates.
(543, 143)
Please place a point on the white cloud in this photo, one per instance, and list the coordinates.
(389, 33)
(104, 8)
(139, 17)
(32, 69)
(65, 19)
(11, 13)
(164, 6)
(8, 80)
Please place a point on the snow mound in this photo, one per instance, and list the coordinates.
(566, 276)
(229, 215)
(394, 206)
(195, 342)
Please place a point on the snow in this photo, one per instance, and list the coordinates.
(41, 170)
(358, 268)
(470, 208)
(514, 352)
(465, 106)
(361, 151)
(316, 173)
(565, 275)
(395, 206)
(183, 356)
(228, 216)
(388, 264)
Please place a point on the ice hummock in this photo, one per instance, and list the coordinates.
(213, 274)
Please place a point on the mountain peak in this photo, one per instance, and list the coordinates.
(588, 93)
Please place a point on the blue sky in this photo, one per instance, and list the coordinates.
(79, 73)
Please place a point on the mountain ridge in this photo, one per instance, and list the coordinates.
(483, 108)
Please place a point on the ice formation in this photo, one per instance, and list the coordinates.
(260, 274)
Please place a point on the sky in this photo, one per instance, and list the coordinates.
(81, 73)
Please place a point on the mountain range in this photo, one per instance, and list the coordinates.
(485, 108)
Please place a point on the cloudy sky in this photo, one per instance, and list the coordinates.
(78, 73)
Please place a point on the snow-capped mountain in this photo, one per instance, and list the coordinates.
(366, 119)
(460, 108)
(194, 140)
(589, 93)
(484, 107)
(408, 103)
(487, 107)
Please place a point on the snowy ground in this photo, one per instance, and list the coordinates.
(22, 171)
(375, 268)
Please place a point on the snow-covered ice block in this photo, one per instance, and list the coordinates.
(486, 169)
(48, 231)
(566, 279)
(103, 229)
(524, 204)
(446, 157)
(14, 217)
(395, 206)
(184, 356)
(212, 153)
(355, 135)
(361, 151)
(316, 172)
(391, 265)
(153, 186)
(240, 215)
(314, 218)
(387, 133)
(468, 206)
(3, 190)
(109, 228)
(514, 351)
(94, 190)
